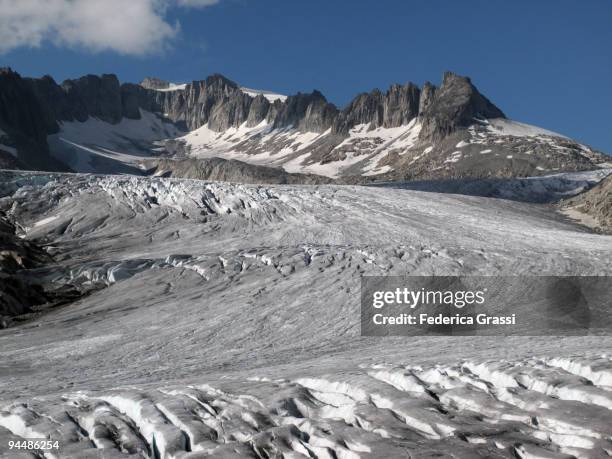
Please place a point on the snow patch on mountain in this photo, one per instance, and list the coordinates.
(205, 142)
(84, 146)
(172, 87)
(230, 144)
(363, 137)
(263, 145)
(127, 133)
(290, 148)
(367, 146)
(503, 126)
(271, 96)
(331, 169)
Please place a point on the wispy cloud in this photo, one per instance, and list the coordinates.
(134, 27)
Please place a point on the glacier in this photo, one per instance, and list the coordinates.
(222, 320)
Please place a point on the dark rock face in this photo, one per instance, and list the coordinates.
(19, 108)
(401, 105)
(228, 105)
(306, 112)
(17, 295)
(134, 98)
(365, 108)
(95, 96)
(428, 93)
(77, 100)
(221, 104)
(23, 295)
(216, 100)
(26, 122)
(455, 104)
(54, 105)
(258, 111)
(397, 107)
(595, 202)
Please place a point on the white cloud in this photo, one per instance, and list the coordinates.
(135, 27)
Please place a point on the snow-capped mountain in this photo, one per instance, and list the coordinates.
(96, 124)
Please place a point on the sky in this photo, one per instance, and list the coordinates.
(543, 62)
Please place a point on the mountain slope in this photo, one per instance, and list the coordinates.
(595, 203)
(404, 133)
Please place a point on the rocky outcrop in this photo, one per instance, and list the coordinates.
(77, 100)
(217, 101)
(23, 293)
(258, 111)
(397, 107)
(306, 112)
(363, 109)
(17, 294)
(401, 105)
(25, 122)
(428, 92)
(135, 98)
(99, 97)
(232, 170)
(455, 104)
(596, 203)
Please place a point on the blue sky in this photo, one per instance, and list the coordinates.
(544, 62)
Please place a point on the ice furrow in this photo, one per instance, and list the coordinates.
(369, 414)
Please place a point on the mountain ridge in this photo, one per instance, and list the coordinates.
(405, 132)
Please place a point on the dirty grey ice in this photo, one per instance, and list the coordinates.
(221, 320)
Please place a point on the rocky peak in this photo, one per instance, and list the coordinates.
(218, 80)
(363, 109)
(260, 106)
(401, 104)
(455, 104)
(308, 112)
(98, 96)
(19, 108)
(398, 106)
(26, 122)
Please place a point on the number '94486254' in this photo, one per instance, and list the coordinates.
(33, 444)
